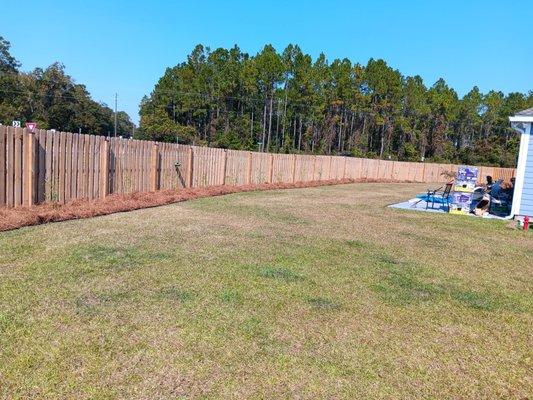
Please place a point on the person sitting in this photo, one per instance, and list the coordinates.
(489, 183)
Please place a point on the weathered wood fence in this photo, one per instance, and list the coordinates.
(47, 166)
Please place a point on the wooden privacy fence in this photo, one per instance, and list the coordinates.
(47, 166)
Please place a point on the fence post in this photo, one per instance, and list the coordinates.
(30, 168)
(104, 168)
(344, 168)
(249, 171)
(225, 165)
(294, 168)
(190, 167)
(314, 169)
(3, 133)
(329, 172)
(154, 162)
(270, 167)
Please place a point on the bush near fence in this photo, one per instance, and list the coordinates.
(47, 166)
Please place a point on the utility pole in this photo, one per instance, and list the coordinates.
(116, 96)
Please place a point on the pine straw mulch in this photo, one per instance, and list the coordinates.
(13, 218)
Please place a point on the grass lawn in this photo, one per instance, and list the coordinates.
(310, 293)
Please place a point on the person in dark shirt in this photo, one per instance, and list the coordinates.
(489, 183)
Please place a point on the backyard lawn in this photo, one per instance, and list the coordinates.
(309, 293)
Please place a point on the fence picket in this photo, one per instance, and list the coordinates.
(18, 167)
(3, 165)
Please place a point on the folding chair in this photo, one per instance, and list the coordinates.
(439, 196)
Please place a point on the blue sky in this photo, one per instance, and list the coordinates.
(125, 46)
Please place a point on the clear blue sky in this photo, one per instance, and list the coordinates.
(125, 46)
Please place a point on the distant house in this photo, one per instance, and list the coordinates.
(523, 191)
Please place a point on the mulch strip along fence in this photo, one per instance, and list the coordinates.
(17, 217)
(49, 166)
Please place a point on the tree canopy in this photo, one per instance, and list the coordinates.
(288, 102)
(282, 102)
(53, 99)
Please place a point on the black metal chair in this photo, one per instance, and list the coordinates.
(442, 195)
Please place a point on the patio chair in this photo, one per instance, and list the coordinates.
(439, 196)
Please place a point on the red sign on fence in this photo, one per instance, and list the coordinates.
(31, 126)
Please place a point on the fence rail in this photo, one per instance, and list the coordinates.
(47, 166)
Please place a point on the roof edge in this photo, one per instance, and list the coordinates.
(527, 111)
(521, 118)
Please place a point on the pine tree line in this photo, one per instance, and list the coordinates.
(289, 102)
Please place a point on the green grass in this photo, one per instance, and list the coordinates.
(311, 293)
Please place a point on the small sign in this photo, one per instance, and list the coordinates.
(16, 124)
(31, 126)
